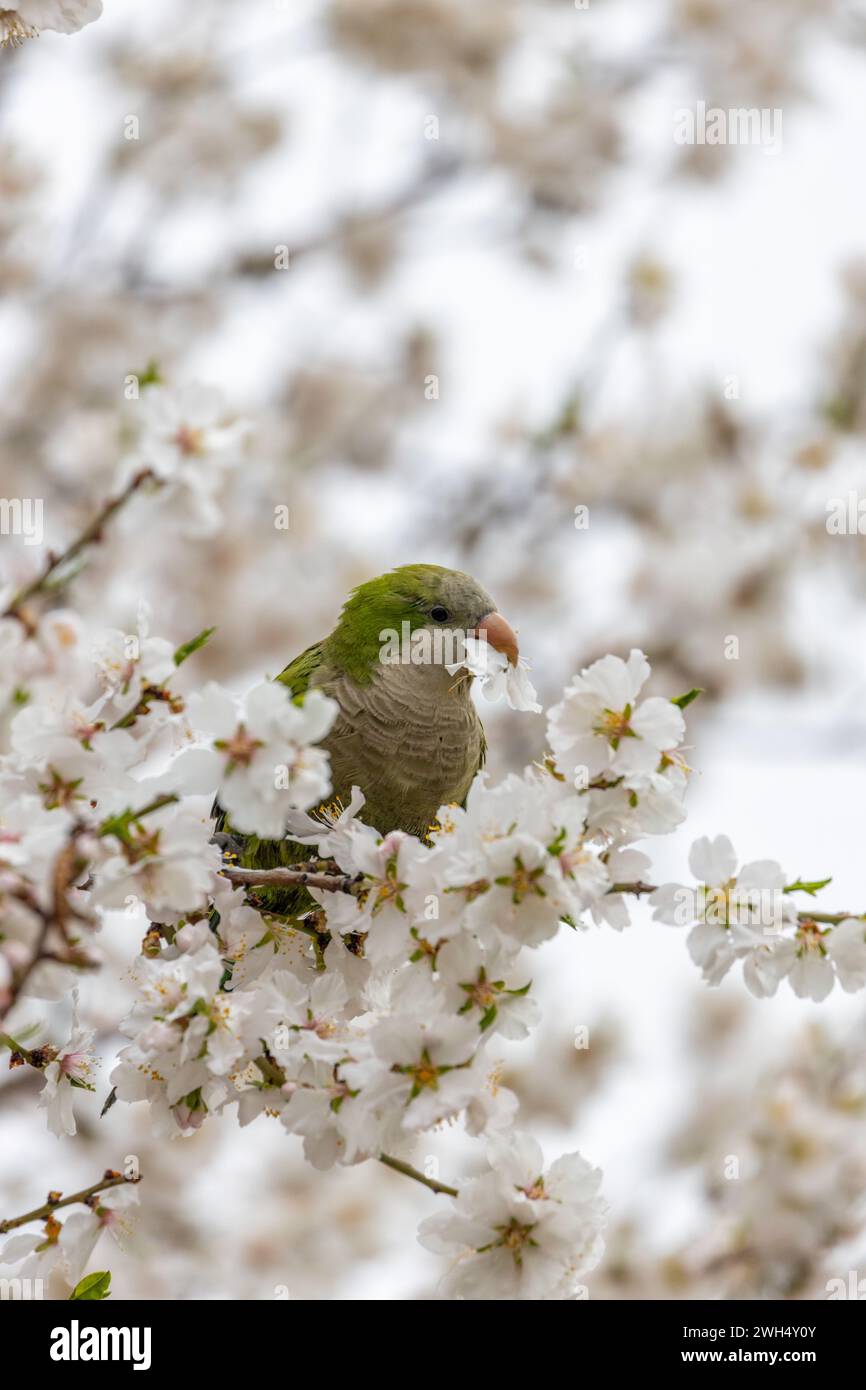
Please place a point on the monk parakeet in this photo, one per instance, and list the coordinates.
(407, 733)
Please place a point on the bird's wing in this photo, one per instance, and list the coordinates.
(299, 673)
(482, 754)
(482, 758)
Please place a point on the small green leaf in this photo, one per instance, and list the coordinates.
(93, 1287)
(488, 1017)
(112, 1098)
(682, 700)
(811, 887)
(187, 648)
(151, 374)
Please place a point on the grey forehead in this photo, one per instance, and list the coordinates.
(461, 590)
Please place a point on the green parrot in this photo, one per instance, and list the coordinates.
(407, 733)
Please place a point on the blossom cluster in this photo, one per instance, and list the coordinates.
(360, 1019)
(370, 1025)
(749, 915)
(58, 1255)
(363, 1022)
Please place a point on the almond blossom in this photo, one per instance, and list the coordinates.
(189, 442)
(260, 761)
(602, 726)
(71, 1066)
(498, 678)
(24, 19)
(519, 1231)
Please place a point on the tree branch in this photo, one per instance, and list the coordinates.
(109, 1179)
(91, 535)
(64, 873)
(408, 1171)
(275, 1076)
(293, 878)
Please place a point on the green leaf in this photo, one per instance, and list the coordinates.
(112, 1098)
(812, 887)
(682, 700)
(488, 1017)
(193, 645)
(151, 374)
(93, 1287)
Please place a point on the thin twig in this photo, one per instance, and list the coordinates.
(408, 1171)
(293, 878)
(66, 869)
(831, 919)
(20, 978)
(109, 1179)
(91, 535)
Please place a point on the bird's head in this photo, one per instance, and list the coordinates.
(441, 601)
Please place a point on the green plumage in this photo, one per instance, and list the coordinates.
(407, 734)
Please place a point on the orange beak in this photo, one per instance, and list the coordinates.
(500, 634)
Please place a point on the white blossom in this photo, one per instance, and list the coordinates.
(21, 19)
(189, 442)
(71, 1067)
(518, 1232)
(498, 678)
(167, 861)
(738, 915)
(602, 727)
(261, 762)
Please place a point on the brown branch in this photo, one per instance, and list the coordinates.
(275, 1076)
(408, 1171)
(830, 918)
(91, 535)
(20, 978)
(67, 867)
(109, 1179)
(294, 878)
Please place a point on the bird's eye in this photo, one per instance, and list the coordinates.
(439, 614)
